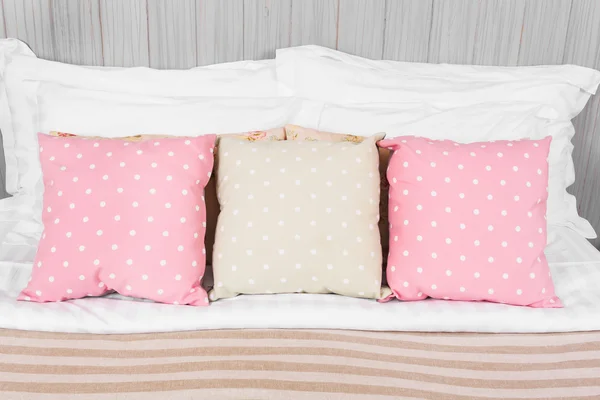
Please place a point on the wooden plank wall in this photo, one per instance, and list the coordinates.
(186, 33)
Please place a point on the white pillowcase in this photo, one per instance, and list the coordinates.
(22, 73)
(9, 48)
(328, 75)
(331, 76)
(110, 114)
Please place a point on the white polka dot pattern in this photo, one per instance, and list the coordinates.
(105, 232)
(303, 230)
(482, 236)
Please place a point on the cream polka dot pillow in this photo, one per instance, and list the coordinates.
(298, 217)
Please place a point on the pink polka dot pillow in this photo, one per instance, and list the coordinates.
(123, 216)
(467, 221)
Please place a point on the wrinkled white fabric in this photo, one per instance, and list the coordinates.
(575, 266)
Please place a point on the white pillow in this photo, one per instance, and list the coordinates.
(23, 72)
(111, 114)
(328, 75)
(473, 123)
(91, 113)
(324, 74)
(8, 48)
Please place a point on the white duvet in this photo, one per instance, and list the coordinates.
(575, 266)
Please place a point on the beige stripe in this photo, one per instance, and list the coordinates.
(273, 333)
(480, 339)
(299, 339)
(474, 361)
(51, 363)
(217, 394)
(283, 380)
(225, 347)
(239, 365)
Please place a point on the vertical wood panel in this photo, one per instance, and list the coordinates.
(407, 28)
(220, 36)
(583, 48)
(124, 32)
(76, 31)
(314, 22)
(498, 34)
(361, 26)
(29, 21)
(2, 27)
(453, 31)
(544, 31)
(172, 33)
(266, 27)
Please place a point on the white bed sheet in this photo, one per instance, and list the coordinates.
(575, 266)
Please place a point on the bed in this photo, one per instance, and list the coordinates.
(471, 350)
(291, 345)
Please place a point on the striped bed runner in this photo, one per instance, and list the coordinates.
(299, 364)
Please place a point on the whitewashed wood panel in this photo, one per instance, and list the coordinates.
(172, 33)
(2, 27)
(314, 22)
(76, 31)
(498, 32)
(124, 33)
(544, 31)
(361, 26)
(267, 27)
(29, 21)
(407, 27)
(453, 28)
(220, 31)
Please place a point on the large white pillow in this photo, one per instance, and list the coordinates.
(9, 48)
(324, 74)
(22, 73)
(110, 114)
(328, 75)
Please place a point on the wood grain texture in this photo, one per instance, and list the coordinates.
(453, 27)
(2, 23)
(220, 31)
(314, 22)
(30, 21)
(124, 33)
(544, 31)
(266, 27)
(407, 28)
(361, 26)
(172, 33)
(498, 32)
(76, 31)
